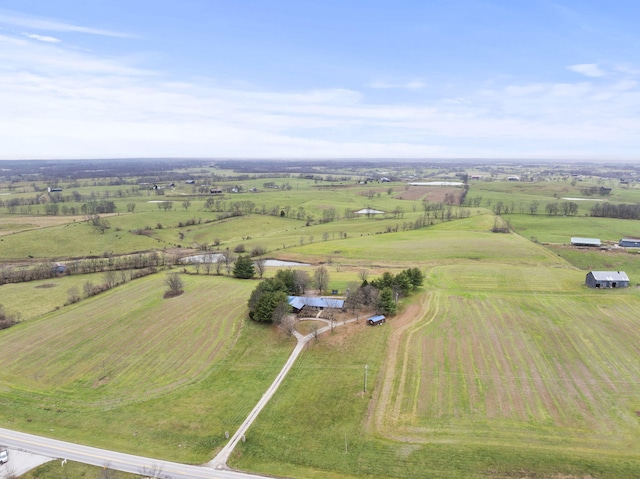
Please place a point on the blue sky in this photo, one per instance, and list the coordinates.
(265, 78)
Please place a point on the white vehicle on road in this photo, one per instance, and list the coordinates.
(4, 456)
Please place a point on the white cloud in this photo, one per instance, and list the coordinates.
(35, 23)
(588, 69)
(42, 38)
(410, 85)
(58, 103)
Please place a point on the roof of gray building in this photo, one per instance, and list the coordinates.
(300, 302)
(610, 275)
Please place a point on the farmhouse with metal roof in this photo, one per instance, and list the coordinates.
(299, 302)
(607, 279)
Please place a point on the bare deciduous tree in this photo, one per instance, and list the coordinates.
(261, 266)
(363, 274)
(73, 295)
(87, 289)
(301, 281)
(175, 285)
(110, 279)
(321, 278)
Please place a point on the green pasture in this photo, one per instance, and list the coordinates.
(131, 371)
(518, 196)
(73, 240)
(36, 298)
(80, 354)
(428, 245)
(560, 229)
(588, 259)
(488, 381)
(53, 470)
(506, 365)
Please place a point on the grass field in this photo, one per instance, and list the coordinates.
(471, 384)
(131, 371)
(36, 298)
(52, 470)
(504, 365)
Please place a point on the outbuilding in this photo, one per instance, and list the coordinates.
(629, 243)
(607, 279)
(376, 320)
(594, 242)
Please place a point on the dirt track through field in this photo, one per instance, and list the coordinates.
(408, 319)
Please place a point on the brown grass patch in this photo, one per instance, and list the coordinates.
(435, 194)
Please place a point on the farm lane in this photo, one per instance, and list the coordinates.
(215, 469)
(220, 461)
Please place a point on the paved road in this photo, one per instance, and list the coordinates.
(113, 460)
(216, 469)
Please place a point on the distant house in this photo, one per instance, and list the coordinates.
(513, 178)
(59, 269)
(629, 243)
(189, 182)
(595, 242)
(369, 212)
(215, 191)
(298, 303)
(53, 190)
(376, 320)
(607, 279)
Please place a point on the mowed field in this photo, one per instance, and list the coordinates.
(125, 343)
(132, 371)
(499, 369)
(558, 371)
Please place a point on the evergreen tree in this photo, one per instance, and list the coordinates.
(266, 298)
(386, 302)
(416, 276)
(243, 268)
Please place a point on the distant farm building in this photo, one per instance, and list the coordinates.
(376, 320)
(513, 178)
(298, 303)
(369, 211)
(629, 243)
(53, 190)
(594, 242)
(215, 191)
(607, 279)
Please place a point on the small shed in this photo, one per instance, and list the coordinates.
(629, 243)
(595, 242)
(607, 279)
(376, 320)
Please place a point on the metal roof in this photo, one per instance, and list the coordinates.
(376, 319)
(300, 302)
(610, 275)
(630, 241)
(586, 241)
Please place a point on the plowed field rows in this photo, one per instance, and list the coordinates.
(553, 369)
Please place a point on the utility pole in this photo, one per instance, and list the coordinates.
(366, 367)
